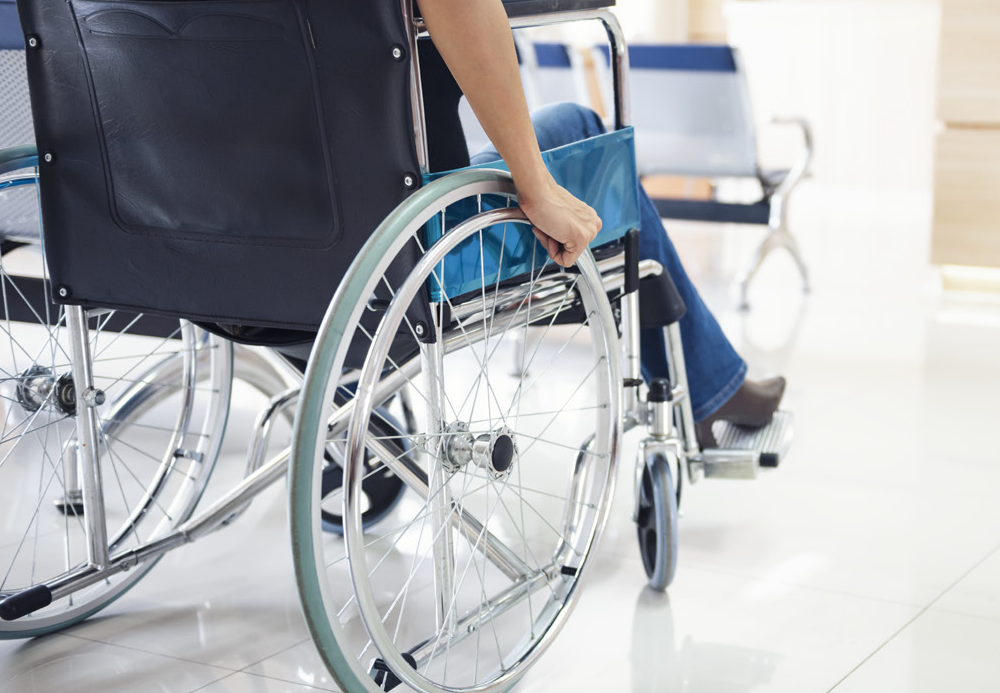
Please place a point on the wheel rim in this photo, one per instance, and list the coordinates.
(160, 428)
(342, 643)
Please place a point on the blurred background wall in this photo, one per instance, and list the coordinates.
(861, 71)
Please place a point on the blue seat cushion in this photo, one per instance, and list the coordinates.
(10, 27)
(552, 55)
(686, 57)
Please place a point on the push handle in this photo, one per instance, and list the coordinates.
(631, 260)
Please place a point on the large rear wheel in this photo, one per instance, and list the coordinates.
(470, 577)
(161, 404)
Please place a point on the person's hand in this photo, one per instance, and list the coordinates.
(564, 225)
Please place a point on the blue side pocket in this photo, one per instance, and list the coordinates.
(599, 170)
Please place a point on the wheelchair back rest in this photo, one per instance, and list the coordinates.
(599, 170)
(691, 111)
(220, 160)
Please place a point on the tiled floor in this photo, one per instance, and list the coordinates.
(869, 562)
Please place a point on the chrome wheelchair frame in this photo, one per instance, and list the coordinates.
(359, 631)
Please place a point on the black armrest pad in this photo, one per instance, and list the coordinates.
(523, 8)
(520, 8)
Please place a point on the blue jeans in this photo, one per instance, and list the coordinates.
(715, 371)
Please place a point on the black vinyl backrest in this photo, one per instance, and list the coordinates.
(220, 160)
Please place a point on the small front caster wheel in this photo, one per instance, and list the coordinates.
(657, 521)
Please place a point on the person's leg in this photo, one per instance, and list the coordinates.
(555, 125)
(715, 370)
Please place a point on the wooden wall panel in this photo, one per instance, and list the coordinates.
(967, 198)
(706, 21)
(969, 67)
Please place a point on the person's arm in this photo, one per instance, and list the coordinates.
(474, 38)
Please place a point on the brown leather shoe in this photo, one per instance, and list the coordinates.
(752, 405)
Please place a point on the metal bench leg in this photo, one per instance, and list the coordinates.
(778, 237)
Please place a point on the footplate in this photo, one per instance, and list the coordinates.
(742, 450)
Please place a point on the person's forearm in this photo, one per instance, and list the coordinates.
(473, 37)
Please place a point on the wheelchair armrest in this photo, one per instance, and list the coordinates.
(16, 158)
(801, 164)
(520, 8)
(530, 8)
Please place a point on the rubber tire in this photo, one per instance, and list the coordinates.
(657, 522)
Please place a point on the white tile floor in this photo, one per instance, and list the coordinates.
(869, 562)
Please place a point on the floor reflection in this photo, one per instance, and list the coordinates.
(768, 334)
(660, 664)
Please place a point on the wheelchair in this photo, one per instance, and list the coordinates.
(443, 514)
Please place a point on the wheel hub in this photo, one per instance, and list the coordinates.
(495, 451)
(39, 387)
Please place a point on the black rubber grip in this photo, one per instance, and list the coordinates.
(659, 390)
(769, 459)
(24, 603)
(631, 260)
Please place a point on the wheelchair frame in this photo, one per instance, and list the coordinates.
(670, 450)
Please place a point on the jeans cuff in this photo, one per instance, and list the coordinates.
(723, 395)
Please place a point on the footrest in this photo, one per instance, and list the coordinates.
(743, 450)
(771, 441)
